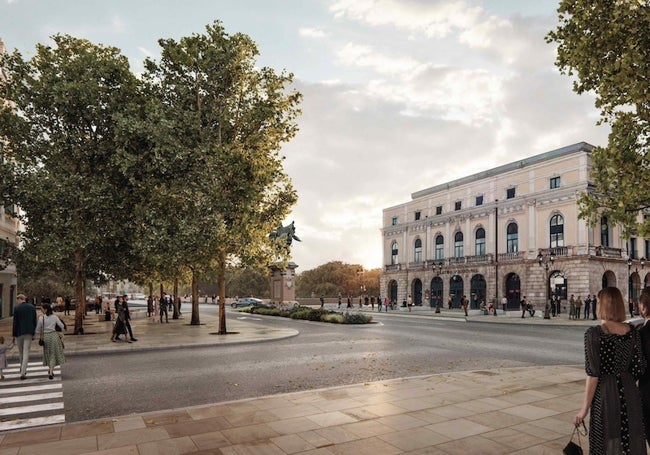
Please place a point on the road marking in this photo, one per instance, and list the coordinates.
(32, 402)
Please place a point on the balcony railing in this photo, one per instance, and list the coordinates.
(608, 252)
(505, 257)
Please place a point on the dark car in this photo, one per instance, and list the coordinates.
(248, 301)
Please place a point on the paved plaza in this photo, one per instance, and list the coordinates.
(502, 411)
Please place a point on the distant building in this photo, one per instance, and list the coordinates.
(492, 234)
(8, 229)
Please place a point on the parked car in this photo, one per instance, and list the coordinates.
(248, 301)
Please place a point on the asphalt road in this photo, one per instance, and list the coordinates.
(323, 355)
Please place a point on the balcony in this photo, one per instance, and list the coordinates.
(507, 257)
(607, 252)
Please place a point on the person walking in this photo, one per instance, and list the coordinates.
(572, 307)
(127, 317)
(349, 302)
(464, 302)
(578, 307)
(322, 301)
(553, 305)
(24, 327)
(52, 342)
(524, 307)
(386, 303)
(630, 307)
(409, 302)
(644, 380)
(614, 361)
(3, 355)
(587, 306)
(339, 300)
(163, 308)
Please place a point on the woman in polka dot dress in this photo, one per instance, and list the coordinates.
(613, 362)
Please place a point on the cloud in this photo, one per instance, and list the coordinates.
(312, 32)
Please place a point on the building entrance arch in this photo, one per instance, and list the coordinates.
(392, 293)
(609, 279)
(513, 291)
(456, 290)
(416, 291)
(558, 284)
(436, 292)
(477, 291)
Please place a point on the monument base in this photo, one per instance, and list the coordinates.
(283, 288)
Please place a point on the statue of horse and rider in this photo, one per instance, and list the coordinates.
(286, 233)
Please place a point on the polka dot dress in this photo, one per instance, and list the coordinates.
(616, 425)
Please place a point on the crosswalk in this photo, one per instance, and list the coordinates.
(35, 401)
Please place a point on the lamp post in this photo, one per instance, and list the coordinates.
(630, 293)
(545, 261)
(438, 268)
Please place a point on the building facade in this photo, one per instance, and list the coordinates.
(511, 231)
(8, 229)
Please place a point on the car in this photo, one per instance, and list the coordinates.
(248, 301)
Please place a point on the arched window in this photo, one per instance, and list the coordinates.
(557, 231)
(393, 253)
(604, 232)
(458, 245)
(479, 244)
(440, 248)
(417, 251)
(512, 238)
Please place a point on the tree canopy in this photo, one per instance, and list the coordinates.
(605, 45)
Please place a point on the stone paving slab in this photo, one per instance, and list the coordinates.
(305, 422)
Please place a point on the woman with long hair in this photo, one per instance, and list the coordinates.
(52, 342)
(613, 362)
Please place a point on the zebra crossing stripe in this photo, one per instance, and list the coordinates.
(17, 410)
(19, 424)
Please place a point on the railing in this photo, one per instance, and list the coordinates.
(480, 259)
(392, 267)
(505, 257)
(608, 252)
(417, 265)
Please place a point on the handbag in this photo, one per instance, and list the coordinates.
(572, 448)
(41, 341)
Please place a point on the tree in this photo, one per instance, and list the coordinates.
(225, 121)
(62, 163)
(333, 277)
(606, 46)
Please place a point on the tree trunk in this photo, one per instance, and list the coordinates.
(80, 294)
(175, 302)
(221, 279)
(195, 299)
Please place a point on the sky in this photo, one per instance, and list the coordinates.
(399, 95)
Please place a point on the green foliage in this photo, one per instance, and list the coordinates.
(311, 314)
(606, 45)
(334, 277)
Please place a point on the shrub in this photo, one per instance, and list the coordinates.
(335, 318)
(356, 318)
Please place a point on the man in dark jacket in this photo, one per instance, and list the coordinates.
(644, 380)
(23, 331)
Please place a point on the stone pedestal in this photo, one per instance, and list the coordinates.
(283, 284)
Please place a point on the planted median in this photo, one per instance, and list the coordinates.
(310, 314)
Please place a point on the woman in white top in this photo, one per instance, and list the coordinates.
(53, 345)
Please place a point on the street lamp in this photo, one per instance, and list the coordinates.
(438, 268)
(630, 293)
(545, 261)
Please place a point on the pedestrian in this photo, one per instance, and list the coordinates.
(3, 355)
(463, 303)
(524, 307)
(553, 305)
(504, 303)
(349, 302)
(24, 327)
(578, 307)
(386, 303)
(163, 308)
(572, 307)
(372, 303)
(52, 342)
(409, 302)
(449, 301)
(120, 324)
(339, 300)
(594, 305)
(322, 301)
(644, 380)
(630, 307)
(558, 303)
(149, 306)
(127, 317)
(587, 305)
(613, 362)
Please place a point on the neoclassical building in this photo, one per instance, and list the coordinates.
(510, 231)
(8, 229)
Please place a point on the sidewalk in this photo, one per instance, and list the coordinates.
(504, 411)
